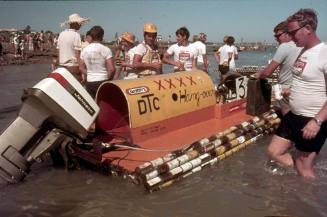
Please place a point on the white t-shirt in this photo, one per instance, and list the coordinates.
(129, 59)
(68, 42)
(308, 90)
(286, 55)
(232, 65)
(95, 56)
(130, 55)
(201, 49)
(184, 54)
(223, 53)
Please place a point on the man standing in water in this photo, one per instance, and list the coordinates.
(146, 59)
(70, 45)
(305, 124)
(285, 56)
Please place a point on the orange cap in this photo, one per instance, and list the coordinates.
(150, 27)
(128, 36)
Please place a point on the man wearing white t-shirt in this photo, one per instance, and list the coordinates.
(232, 64)
(199, 44)
(185, 55)
(69, 45)
(305, 125)
(285, 56)
(97, 64)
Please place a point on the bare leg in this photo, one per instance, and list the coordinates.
(304, 163)
(278, 150)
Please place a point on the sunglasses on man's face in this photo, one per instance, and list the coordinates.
(278, 35)
(293, 32)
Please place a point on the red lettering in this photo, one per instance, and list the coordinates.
(170, 82)
(159, 85)
(180, 81)
(191, 80)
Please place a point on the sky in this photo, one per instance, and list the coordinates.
(247, 20)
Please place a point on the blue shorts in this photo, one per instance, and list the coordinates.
(291, 129)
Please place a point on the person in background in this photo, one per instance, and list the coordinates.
(1, 46)
(199, 44)
(97, 64)
(87, 40)
(16, 42)
(147, 60)
(284, 58)
(185, 55)
(124, 55)
(223, 57)
(69, 45)
(305, 124)
(232, 65)
(128, 39)
(22, 48)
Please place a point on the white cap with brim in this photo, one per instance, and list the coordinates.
(75, 18)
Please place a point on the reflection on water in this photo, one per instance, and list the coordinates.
(241, 185)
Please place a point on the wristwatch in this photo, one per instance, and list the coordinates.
(318, 121)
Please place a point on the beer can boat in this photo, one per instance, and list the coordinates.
(155, 130)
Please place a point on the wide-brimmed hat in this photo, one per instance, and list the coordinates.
(128, 36)
(150, 27)
(75, 18)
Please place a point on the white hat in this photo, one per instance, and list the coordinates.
(75, 18)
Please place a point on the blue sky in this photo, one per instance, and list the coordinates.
(250, 20)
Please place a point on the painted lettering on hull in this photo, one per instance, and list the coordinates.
(184, 96)
(173, 83)
(148, 103)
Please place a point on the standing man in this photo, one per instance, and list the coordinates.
(223, 57)
(230, 42)
(69, 45)
(284, 58)
(97, 62)
(306, 124)
(124, 55)
(185, 54)
(199, 44)
(146, 59)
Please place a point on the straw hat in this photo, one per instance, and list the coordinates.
(75, 18)
(128, 36)
(150, 27)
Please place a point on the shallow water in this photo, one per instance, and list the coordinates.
(241, 185)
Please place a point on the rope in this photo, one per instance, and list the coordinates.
(107, 145)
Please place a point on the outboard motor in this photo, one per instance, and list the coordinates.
(55, 107)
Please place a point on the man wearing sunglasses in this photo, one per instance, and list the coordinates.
(305, 124)
(285, 56)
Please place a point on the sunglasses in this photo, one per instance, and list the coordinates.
(293, 32)
(278, 35)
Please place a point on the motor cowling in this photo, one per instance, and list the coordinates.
(55, 106)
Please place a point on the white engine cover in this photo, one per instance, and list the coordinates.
(62, 87)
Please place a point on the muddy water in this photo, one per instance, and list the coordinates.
(242, 185)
